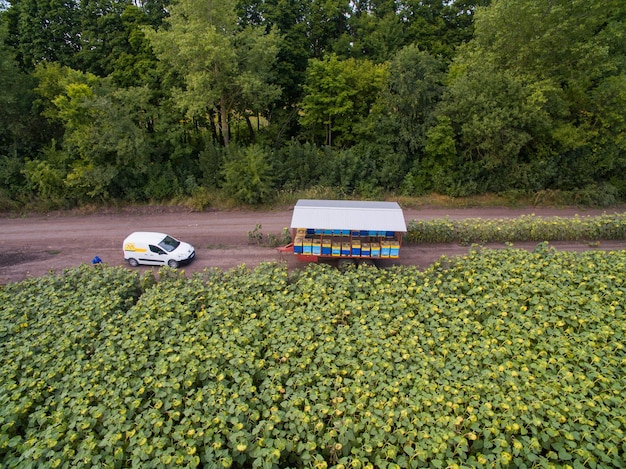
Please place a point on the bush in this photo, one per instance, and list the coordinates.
(248, 176)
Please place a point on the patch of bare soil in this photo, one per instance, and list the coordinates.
(38, 244)
(8, 259)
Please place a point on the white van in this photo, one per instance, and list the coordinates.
(146, 247)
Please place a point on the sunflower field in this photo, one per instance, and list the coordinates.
(500, 358)
(608, 226)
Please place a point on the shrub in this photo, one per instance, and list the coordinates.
(248, 176)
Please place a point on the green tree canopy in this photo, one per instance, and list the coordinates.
(339, 94)
(224, 67)
(524, 95)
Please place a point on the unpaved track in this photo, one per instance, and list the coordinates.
(38, 244)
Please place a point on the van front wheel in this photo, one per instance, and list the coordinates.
(133, 262)
(172, 263)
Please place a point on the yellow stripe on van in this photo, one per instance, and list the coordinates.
(131, 247)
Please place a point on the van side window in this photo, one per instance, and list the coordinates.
(156, 249)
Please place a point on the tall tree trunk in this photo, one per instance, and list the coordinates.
(213, 126)
(224, 123)
(250, 129)
(329, 132)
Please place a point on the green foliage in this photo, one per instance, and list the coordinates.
(132, 101)
(526, 228)
(47, 30)
(105, 148)
(135, 64)
(248, 176)
(23, 132)
(522, 96)
(298, 164)
(415, 86)
(338, 94)
(255, 236)
(224, 68)
(496, 358)
(46, 178)
(210, 160)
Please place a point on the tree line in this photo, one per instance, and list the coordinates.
(130, 100)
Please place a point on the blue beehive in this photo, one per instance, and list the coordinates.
(326, 247)
(345, 249)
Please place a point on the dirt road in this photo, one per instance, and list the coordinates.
(38, 244)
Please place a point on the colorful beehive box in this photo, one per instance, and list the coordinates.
(375, 249)
(316, 247)
(366, 250)
(307, 246)
(356, 247)
(394, 249)
(385, 248)
(326, 247)
(355, 233)
(345, 249)
(336, 249)
(297, 245)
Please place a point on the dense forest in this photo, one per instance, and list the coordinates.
(147, 100)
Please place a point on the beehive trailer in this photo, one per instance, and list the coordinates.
(358, 231)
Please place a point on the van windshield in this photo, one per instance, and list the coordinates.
(169, 243)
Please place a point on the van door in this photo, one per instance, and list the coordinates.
(154, 255)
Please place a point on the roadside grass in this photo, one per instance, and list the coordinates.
(204, 199)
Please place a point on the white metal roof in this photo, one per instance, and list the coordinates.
(348, 215)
